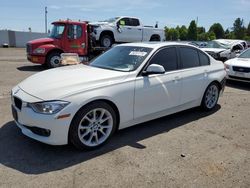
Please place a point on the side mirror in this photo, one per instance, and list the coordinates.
(154, 69)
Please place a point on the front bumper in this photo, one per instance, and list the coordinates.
(36, 59)
(238, 76)
(44, 128)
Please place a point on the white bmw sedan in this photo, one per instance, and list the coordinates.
(239, 68)
(127, 85)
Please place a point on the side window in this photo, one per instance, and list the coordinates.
(125, 21)
(134, 22)
(204, 60)
(189, 57)
(74, 31)
(167, 58)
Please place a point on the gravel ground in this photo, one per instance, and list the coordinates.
(188, 149)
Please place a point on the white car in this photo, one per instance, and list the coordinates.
(239, 68)
(224, 49)
(127, 85)
(124, 29)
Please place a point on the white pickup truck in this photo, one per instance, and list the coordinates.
(124, 29)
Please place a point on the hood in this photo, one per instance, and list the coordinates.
(61, 82)
(41, 41)
(215, 50)
(241, 62)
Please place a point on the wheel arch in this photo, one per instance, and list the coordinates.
(155, 37)
(109, 102)
(54, 50)
(107, 32)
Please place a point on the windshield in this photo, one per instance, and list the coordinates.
(57, 31)
(214, 44)
(122, 58)
(111, 20)
(245, 54)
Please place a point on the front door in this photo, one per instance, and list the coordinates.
(75, 41)
(156, 93)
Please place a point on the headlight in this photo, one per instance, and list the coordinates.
(48, 107)
(226, 66)
(39, 51)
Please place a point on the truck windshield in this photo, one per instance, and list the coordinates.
(57, 31)
(122, 58)
(245, 54)
(213, 44)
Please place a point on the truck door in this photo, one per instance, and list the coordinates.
(128, 32)
(75, 41)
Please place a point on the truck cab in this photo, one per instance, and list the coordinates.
(66, 36)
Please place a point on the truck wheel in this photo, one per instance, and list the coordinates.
(92, 126)
(54, 59)
(106, 41)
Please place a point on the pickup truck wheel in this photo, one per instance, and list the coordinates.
(106, 41)
(92, 125)
(53, 60)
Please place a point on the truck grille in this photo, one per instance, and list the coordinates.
(18, 103)
(241, 69)
(28, 48)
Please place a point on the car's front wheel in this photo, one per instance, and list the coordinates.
(210, 97)
(93, 125)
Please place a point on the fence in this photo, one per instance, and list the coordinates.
(18, 38)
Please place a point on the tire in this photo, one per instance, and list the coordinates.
(53, 60)
(155, 38)
(106, 41)
(89, 131)
(210, 97)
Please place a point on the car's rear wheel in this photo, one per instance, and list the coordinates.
(93, 125)
(210, 97)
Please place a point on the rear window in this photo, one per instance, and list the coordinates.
(204, 60)
(189, 57)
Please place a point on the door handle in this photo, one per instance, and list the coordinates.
(176, 78)
(129, 28)
(139, 29)
(205, 73)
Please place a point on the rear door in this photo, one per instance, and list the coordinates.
(158, 92)
(195, 67)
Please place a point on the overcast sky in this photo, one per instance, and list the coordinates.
(22, 14)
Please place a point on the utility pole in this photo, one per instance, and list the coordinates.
(46, 12)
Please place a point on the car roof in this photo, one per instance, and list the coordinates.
(155, 45)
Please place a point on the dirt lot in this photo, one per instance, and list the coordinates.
(215, 147)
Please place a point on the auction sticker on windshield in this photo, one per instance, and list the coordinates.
(136, 53)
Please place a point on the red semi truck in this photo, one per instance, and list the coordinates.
(66, 36)
(81, 38)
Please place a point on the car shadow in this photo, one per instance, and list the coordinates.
(238, 85)
(32, 68)
(31, 157)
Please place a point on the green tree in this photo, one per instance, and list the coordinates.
(192, 31)
(173, 34)
(211, 36)
(183, 32)
(248, 30)
(201, 30)
(239, 29)
(218, 30)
